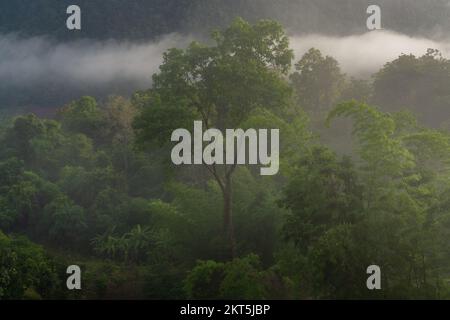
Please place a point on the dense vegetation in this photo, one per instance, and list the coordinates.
(95, 185)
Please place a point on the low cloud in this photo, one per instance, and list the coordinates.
(362, 55)
(48, 73)
(34, 60)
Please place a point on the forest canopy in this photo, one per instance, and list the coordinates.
(364, 180)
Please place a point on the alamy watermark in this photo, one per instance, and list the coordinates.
(73, 22)
(74, 280)
(374, 280)
(237, 147)
(374, 20)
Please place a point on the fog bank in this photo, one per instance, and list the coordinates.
(362, 55)
(49, 73)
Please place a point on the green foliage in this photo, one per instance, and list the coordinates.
(65, 221)
(82, 116)
(24, 266)
(238, 279)
(414, 82)
(91, 185)
(318, 81)
(394, 223)
(322, 192)
(223, 85)
(207, 82)
(132, 246)
(84, 185)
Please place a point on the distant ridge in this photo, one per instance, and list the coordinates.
(148, 19)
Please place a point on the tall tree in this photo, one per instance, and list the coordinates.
(318, 81)
(419, 84)
(221, 85)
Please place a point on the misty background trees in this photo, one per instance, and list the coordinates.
(364, 179)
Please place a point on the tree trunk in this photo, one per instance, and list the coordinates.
(228, 217)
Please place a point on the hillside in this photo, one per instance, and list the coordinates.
(141, 19)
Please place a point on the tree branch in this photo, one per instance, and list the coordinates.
(213, 171)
